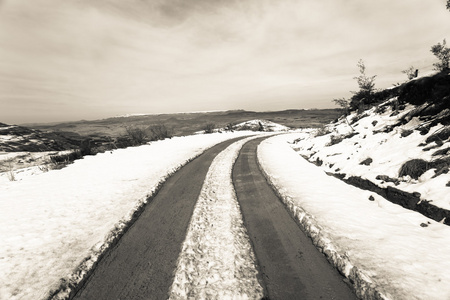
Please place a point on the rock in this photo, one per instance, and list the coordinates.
(404, 199)
(371, 198)
(388, 179)
(405, 133)
(366, 162)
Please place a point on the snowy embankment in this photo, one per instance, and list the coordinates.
(54, 221)
(377, 145)
(217, 260)
(381, 247)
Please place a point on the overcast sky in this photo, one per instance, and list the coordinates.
(92, 59)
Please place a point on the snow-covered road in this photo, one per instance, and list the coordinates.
(217, 260)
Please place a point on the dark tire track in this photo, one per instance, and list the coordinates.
(291, 267)
(142, 264)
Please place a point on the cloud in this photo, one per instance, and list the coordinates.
(85, 58)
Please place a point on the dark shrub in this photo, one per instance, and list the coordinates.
(209, 128)
(159, 132)
(137, 135)
(86, 147)
(414, 168)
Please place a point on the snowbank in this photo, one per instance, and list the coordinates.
(52, 221)
(217, 260)
(387, 251)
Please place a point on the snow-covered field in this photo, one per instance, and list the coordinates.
(51, 222)
(388, 251)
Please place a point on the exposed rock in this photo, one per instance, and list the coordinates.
(366, 162)
(407, 200)
(386, 178)
(405, 133)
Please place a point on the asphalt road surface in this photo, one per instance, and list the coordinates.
(142, 264)
(291, 267)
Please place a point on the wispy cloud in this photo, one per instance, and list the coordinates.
(93, 59)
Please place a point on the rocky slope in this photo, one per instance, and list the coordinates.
(398, 147)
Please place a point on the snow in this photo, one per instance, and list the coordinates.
(217, 260)
(53, 221)
(389, 151)
(267, 125)
(253, 125)
(388, 251)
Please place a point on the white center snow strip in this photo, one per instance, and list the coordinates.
(217, 260)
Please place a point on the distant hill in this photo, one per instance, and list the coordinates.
(189, 123)
(15, 138)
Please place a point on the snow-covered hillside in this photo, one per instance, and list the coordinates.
(252, 125)
(387, 148)
(261, 125)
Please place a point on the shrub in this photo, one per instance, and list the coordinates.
(123, 142)
(411, 72)
(137, 135)
(86, 147)
(414, 168)
(322, 131)
(209, 128)
(159, 132)
(442, 52)
(345, 105)
(10, 169)
(61, 160)
(230, 127)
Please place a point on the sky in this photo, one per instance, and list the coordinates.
(92, 59)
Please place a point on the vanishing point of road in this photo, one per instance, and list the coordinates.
(142, 264)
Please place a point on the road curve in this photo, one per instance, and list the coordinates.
(142, 264)
(290, 266)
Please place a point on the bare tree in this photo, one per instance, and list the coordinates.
(345, 105)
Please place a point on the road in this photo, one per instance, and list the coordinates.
(142, 264)
(291, 267)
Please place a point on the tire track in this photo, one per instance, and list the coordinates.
(291, 267)
(142, 264)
